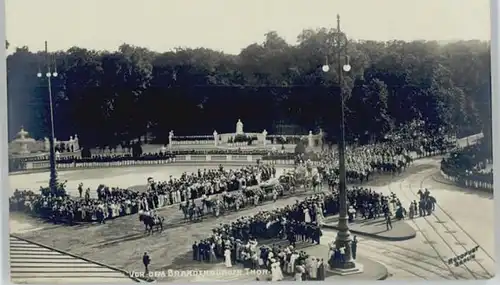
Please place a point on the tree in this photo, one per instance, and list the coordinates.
(109, 98)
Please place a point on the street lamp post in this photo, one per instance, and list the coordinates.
(52, 155)
(343, 239)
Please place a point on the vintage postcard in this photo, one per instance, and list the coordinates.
(189, 141)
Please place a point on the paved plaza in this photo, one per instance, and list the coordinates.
(448, 232)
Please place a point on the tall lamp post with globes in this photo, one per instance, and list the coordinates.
(343, 239)
(53, 184)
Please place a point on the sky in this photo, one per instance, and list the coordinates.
(230, 25)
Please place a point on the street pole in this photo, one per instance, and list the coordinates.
(343, 238)
(53, 184)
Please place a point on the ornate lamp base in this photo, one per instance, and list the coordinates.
(346, 268)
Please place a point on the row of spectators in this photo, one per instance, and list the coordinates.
(114, 202)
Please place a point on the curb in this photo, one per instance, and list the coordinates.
(385, 276)
(136, 279)
(375, 236)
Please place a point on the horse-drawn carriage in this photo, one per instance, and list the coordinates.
(302, 176)
(287, 181)
(270, 185)
(252, 191)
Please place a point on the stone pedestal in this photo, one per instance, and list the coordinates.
(348, 268)
(23, 148)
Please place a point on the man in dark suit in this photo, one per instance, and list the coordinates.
(321, 270)
(317, 234)
(146, 261)
(195, 251)
(354, 247)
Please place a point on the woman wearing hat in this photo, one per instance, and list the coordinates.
(276, 274)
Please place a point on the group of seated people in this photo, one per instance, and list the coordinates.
(249, 239)
(469, 163)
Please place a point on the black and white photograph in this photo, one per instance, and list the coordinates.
(232, 141)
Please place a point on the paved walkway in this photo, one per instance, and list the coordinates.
(376, 228)
(32, 263)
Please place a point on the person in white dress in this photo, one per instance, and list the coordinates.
(391, 208)
(277, 274)
(274, 270)
(313, 272)
(291, 265)
(307, 216)
(320, 218)
(227, 255)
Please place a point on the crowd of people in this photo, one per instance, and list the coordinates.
(109, 204)
(118, 159)
(257, 241)
(119, 156)
(112, 202)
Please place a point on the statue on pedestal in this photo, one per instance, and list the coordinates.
(76, 144)
(239, 127)
(71, 144)
(264, 137)
(310, 139)
(216, 137)
(46, 144)
(170, 137)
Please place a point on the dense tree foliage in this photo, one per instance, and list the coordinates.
(110, 98)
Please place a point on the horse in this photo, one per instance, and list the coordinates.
(151, 223)
(208, 204)
(408, 159)
(195, 212)
(432, 201)
(229, 200)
